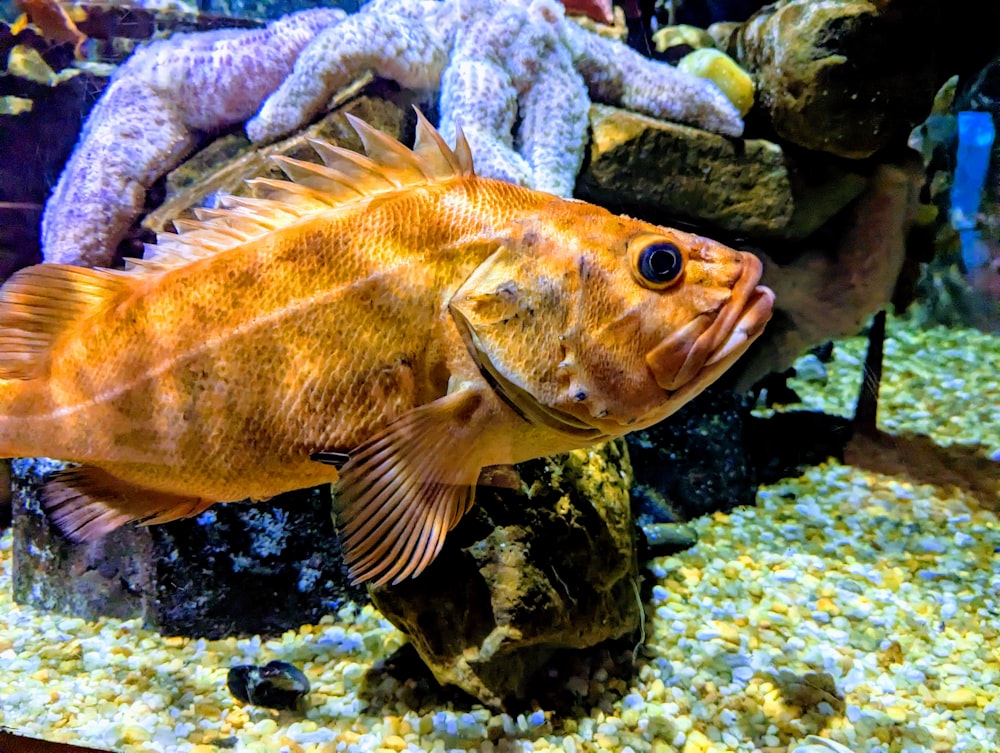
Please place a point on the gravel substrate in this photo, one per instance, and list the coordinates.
(860, 607)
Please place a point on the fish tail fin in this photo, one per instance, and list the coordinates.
(38, 305)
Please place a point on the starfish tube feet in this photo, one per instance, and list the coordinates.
(131, 134)
(553, 132)
(383, 38)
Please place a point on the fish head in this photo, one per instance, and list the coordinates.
(596, 325)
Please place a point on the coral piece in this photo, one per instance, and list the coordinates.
(147, 121)
(495, 63)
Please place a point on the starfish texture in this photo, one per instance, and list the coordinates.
(515, 75)
(497, 63)
(147, 120)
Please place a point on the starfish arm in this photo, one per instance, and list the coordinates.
(405, 42)
(143, 126)
(618, 75)
(481, 85)
(507, 57)
(218, 78)
(131, 135)
(554, 120)
(479, 97)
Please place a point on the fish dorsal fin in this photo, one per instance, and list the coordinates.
(345, 177)
(39, 303)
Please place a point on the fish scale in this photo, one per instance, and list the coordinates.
(393, 311)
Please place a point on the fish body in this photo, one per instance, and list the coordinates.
(54, 20)
(394, 311)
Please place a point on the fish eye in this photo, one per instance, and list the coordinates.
(657, 263)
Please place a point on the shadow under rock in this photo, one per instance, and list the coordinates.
(574, 682)
(919, 459)
(786, 443)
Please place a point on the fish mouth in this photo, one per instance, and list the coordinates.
(698, 353)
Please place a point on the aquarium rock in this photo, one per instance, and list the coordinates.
(738, 186)
(850, 77)
(276, 685)
(665, 539)
(694, 463)
(233, 570)
(832, 287)
(546, 565)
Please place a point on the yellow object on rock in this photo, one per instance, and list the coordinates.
(681, 34)
(724, 72)
(27, 63)
(11, 105)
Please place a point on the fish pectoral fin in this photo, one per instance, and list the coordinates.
(407, 486)
(87, 502)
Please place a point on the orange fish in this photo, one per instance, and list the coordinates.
(597, 10)
(393, 311)
(53, 20)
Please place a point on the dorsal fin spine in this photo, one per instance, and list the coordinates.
(345, 177)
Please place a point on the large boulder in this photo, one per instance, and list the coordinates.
(547, 563)
(852, 77)
(738, 186)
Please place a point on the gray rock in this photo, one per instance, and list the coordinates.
(547, 564)
(739, 186)
(234, 570)
(831, 288)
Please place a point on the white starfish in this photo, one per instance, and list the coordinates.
(515, 75)
(497, 63)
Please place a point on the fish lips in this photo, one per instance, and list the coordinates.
(698, 353)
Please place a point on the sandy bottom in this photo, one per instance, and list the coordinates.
(852, 604)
